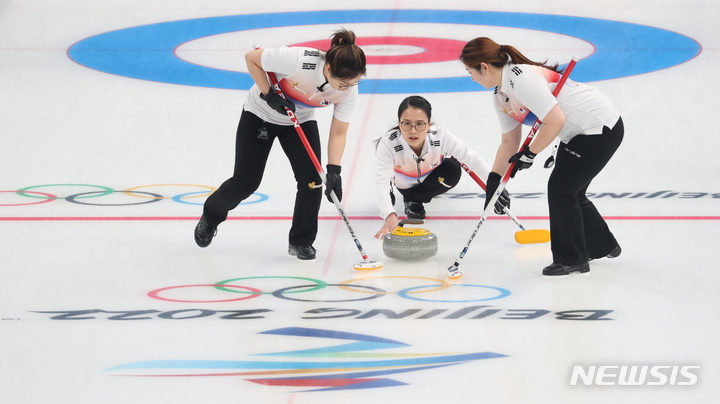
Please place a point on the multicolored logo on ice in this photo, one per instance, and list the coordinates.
(336, 367)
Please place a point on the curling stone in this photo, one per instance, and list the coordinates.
(410, 243)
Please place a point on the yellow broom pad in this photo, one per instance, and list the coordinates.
(532, 236)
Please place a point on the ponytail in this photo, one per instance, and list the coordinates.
(345, 58)
(342, 37)
(485, 50)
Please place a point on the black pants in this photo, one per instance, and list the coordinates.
(439, 181)
(578, 231)
(251, 154)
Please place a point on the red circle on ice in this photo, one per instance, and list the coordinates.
(401, 49)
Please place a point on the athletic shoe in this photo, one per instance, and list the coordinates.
(613, 254)
(204, 233)
(302, 252)
(557, 268)
(415, 210)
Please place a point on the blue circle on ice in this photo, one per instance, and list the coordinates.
(147, 52)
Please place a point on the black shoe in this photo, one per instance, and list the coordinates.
(557, 268)
(204, 233)
(302, 252)
(415, 210)
(613, 254)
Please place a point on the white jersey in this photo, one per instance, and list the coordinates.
(526, 95)
(300, 74)
(396, 162)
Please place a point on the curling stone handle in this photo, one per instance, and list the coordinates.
(410, 221)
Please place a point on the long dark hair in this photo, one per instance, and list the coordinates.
(346, 59)
(485, 50)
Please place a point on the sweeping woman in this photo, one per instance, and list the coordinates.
(590, 129)
(311, 78)
(419, 159)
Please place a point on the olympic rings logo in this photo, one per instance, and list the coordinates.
(97, 191)
(312, 285)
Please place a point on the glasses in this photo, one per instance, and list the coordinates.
(407, 126)
(343, 86)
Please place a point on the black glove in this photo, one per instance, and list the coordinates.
(524, 160)
(334, 182)
(276, 102)
(503, 202)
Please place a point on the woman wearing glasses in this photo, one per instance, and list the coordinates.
(310, 78)
(417, 157)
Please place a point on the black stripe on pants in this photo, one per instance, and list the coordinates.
(251, 154)
(578, 231)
